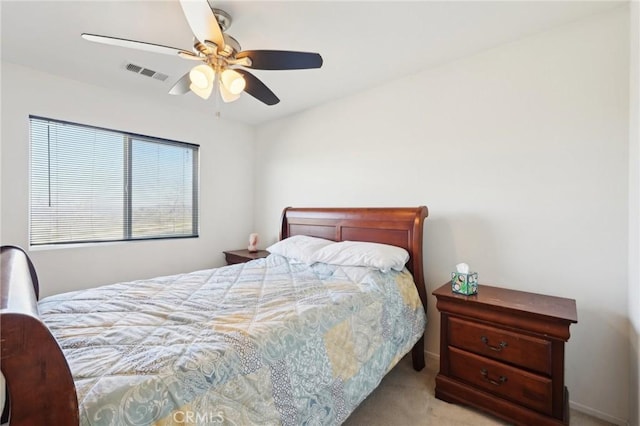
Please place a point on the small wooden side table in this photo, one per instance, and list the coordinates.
(241, 256)
(502, 351)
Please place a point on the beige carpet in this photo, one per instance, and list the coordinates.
(406, 397)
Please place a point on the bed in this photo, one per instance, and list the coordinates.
(336, 344)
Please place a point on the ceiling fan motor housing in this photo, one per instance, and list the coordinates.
(223, 18)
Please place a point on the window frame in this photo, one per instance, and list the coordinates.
(127, 192)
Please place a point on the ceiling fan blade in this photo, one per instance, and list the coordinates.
(190, 56)
(202, 21)
(257, 89)
(182, 86)
(140, 45)
(281, 59)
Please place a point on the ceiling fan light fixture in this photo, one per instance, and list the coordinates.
(226, 95)
(203, 93)
(201, 76)
(233, 81)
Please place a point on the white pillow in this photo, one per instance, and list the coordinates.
(299, 247)
(357, 253)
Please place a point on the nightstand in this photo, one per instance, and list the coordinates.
(502, 351)
(241, 256)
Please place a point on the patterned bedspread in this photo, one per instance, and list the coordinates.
(267, 342)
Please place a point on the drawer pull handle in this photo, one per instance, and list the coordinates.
(485, 375)
(498, 348)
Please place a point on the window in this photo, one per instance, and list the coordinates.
(90, 184)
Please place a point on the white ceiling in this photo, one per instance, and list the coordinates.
(363, 43)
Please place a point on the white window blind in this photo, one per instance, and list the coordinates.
(90, 184)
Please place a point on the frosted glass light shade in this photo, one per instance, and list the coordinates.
(232, 81)
(201, 77)
(226, 95)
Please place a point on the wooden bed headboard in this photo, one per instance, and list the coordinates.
(398, 226)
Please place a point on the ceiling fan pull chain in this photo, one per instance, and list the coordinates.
(216, 87)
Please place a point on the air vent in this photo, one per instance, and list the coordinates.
(134, 68)
(146, 72)
(160, 76)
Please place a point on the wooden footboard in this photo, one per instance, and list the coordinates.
(39, 383)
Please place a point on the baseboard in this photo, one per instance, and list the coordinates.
(435, 358)
(597, 414)
(432, 356)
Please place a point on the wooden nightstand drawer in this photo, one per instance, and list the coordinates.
(514, 348)
(528, 389)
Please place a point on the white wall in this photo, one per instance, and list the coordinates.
(634, 215)
(226, 180)
(521, 155)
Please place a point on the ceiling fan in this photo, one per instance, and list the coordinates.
(223, 61)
